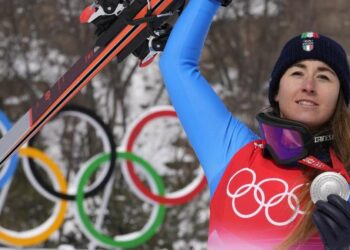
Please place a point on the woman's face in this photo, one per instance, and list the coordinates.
(308, 93)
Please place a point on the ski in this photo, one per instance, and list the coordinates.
(128, 30)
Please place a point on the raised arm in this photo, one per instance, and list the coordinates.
(213, 132)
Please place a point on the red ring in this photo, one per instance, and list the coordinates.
(138, 183)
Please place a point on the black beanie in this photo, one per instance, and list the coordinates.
(311, 45)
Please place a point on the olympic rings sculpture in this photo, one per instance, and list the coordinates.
(108, 146)
(10, 165)
(132, 239)
(44, 231)
(175, 198)
(103, 163)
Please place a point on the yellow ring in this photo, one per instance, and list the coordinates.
(15, 239)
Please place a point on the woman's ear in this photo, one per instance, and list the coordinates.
(277, 98)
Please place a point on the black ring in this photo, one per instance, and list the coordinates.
(112, 161)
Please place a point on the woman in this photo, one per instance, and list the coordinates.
(260, 187)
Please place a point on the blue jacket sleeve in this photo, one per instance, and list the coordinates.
(213, 132)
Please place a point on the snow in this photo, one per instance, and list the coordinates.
(15, 100)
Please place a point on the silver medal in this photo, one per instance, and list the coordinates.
(329, 183)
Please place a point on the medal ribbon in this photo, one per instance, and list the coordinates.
(338, 166)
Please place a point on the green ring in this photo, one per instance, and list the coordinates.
(90, 229)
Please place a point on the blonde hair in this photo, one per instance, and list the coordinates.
(340, 127)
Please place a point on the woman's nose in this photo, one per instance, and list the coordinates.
(309, 85)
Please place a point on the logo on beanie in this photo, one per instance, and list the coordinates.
(308, 45)
(308, 42)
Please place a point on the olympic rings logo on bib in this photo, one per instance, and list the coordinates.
(77, 191)
(286, 198)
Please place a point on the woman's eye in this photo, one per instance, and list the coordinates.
(297, 73)
(323, 77)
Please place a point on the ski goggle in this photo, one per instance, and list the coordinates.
(288, 141)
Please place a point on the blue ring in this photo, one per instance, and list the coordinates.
(11, 165)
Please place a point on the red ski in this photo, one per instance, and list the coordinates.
(128, 31)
